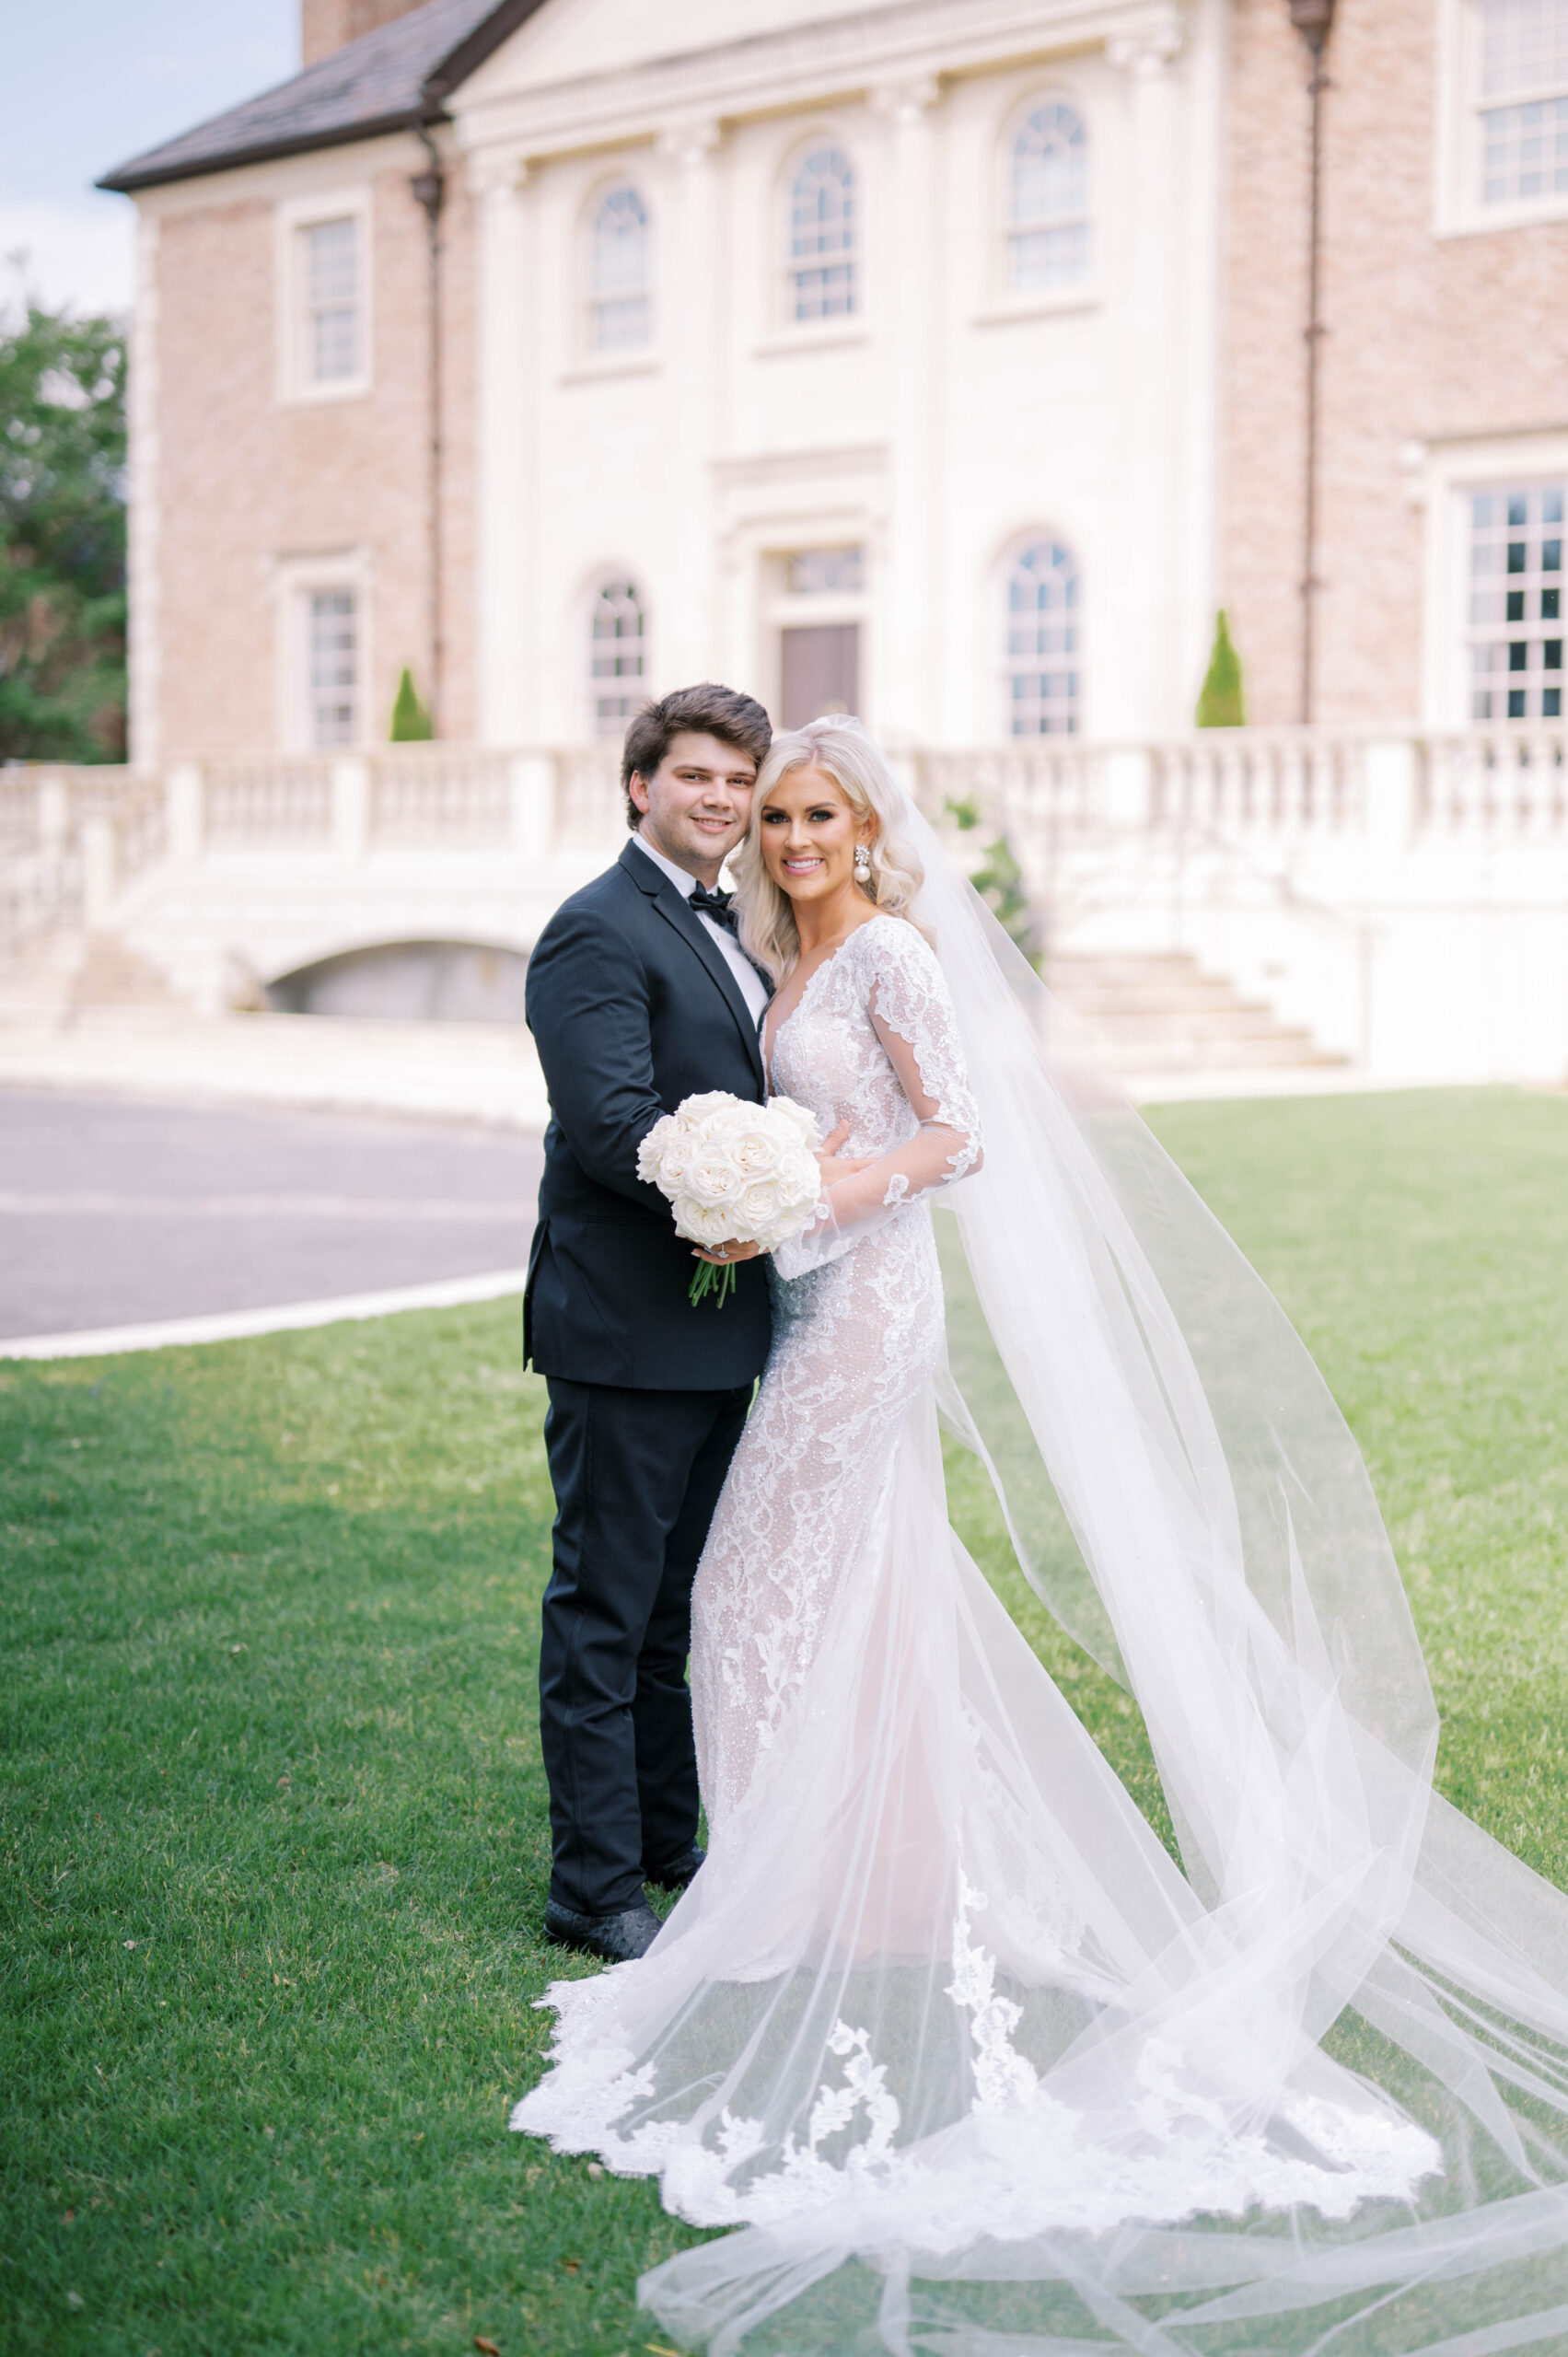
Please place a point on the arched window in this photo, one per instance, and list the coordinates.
(1042, 641)
(617, 652)
(620, 272)
(1047, 218)
(821, 237)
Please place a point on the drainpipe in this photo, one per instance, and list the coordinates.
(1313, 21)
(429, 190)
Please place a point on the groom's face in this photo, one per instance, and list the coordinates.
(696, 804)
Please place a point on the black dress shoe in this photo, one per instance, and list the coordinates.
(616, 1938)
(676, 1875)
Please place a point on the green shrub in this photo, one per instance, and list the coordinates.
(1223, 701)
(412, 724)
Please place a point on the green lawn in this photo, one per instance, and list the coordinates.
(274, 1825)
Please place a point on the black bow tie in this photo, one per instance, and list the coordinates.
(718, 906)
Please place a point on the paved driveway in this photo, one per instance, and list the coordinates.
(116, 1214)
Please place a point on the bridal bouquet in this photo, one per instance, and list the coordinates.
(733, 1170)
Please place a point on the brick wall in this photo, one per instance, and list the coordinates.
(1429, 339)
(249, 481)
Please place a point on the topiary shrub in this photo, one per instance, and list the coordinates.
(1223, 702)
(412, 724)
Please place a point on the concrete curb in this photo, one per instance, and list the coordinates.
(237, 1325)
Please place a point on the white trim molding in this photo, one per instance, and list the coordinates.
(295, 578)
(1459, 205)
(293, 217)
(1442, 477)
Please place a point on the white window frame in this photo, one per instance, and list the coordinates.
(1016, 548)
(1458, 208)
(1005, 300)
(1443, 478)
(639, 689)
(296, 580)
(784, 333)
(292, 217)
(609, 359)
(853, 258)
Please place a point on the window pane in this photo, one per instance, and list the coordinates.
(1042, 641)
(620, 310)
(331, 301)
(1515, 532)
(1524, 152)
(814, 573)
(332, 655)
(1050, 200)
(1524, 46)
(821, 237)
(616, 646)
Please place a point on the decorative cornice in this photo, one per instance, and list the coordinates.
(690, 143)
(1147, 49)
(863, 51)
(801, 466)
(907, 101)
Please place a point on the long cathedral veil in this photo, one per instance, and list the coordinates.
(1185, 1496)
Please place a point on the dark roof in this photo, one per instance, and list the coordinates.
(376, 84)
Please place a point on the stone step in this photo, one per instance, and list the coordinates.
(113, 974)
(1164, 1013)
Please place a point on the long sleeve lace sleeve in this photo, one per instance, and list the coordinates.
(912, 1015)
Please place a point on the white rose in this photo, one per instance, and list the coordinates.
(651, 1153)
(760, 1204)
(697, 1108)
(757, 1151)
(703, 1224)
(784, 1109)
(712, 1178)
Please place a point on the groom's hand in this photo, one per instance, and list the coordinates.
(832, 1164)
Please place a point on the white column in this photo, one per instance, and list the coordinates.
(691, 299)
(1154, 696)
(907, 671)
(506, 327)
(183, 790)
(350, 808)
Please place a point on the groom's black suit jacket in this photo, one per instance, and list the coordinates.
(632, 1008)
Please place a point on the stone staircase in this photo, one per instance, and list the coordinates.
(1162, 1014)
(67, 972)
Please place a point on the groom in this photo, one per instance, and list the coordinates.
(638, 996)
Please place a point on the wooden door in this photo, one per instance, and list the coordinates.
(818, 672)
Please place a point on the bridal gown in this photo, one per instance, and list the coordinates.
(940, 2025)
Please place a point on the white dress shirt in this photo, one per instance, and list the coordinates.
(749, 981)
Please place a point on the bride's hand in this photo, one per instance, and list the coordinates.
(724, 1256)
(833, 1165)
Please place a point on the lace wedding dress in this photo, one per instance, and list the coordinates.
(940, 2025)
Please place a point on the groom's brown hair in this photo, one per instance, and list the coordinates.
(707, 711)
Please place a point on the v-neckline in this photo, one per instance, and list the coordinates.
(769, 1047)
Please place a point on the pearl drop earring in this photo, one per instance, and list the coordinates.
(861, 863)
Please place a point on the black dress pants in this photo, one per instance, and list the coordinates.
(637, 1476)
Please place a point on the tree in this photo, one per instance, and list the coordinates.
(1223, 702)
(999, 880)
(412, 724)
(62, 536)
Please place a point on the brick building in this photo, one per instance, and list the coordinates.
(946, 359)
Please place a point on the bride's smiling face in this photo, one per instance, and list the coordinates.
(808, 834)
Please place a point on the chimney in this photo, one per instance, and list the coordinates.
(326, 25)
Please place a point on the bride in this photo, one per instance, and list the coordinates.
(940, 2026)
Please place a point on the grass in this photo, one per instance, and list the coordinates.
(274, 1825)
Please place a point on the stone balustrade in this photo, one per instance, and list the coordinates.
(1402, 893)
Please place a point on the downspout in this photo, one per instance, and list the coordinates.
(1313, 21)
(429, 189)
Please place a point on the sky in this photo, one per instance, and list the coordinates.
(90, 84)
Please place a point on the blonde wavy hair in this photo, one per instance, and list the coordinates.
(840, 745)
